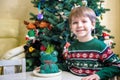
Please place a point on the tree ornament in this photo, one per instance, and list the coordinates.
(101, 17)
(84, 2)
(63, 15)
(65, 51)
(94, 35)
(101, 3)
(59, 0)
(42, 48)
(101, 0)
(31, 49)
(40, 16)
(75, 6)
(31, 31)
(43, 24)
(29, 25)
(107, 39)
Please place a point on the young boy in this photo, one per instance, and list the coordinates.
(87, 56)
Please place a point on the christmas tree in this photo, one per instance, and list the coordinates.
(50, 27)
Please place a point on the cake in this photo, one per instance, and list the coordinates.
(48, 59)
(48, 62)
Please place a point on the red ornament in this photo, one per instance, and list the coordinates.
(42, 48)
(67, 45)
(105, 34)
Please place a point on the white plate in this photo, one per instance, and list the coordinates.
(36, 73)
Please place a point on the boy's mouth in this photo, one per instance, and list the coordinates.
(79, 30)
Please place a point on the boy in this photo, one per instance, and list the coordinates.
(87, 56)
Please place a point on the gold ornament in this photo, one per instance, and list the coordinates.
(84, 2)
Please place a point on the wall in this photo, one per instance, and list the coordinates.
(17, 10)
(112, 21)
(12, 28)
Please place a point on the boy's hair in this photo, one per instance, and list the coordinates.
(81, 12)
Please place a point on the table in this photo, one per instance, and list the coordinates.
(30, 76)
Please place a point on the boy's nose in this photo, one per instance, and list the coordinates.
(80, 24)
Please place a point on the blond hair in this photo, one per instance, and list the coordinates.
(82, 12)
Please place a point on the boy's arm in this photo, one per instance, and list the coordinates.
(111, 71)
(108, 72)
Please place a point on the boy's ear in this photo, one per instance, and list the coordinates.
(93, 23)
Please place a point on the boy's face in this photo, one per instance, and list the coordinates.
(82, 27)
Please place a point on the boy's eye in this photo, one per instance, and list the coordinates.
(74, 22)
(84, 21)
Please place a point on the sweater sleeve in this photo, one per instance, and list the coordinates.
(112, 63)
(108, 72)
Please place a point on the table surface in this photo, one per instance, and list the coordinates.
(31, 76)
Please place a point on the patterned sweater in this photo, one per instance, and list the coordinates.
(86, 58)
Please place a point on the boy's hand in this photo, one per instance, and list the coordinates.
(91, 77)
(37, 68)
